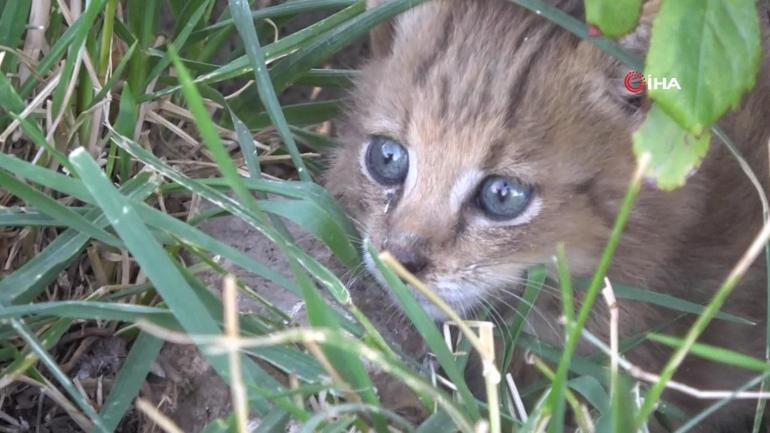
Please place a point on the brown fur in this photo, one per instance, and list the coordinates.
(484, 85)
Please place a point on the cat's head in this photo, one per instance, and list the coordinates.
(479, 137)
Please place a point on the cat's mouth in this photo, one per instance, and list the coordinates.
(463, 300)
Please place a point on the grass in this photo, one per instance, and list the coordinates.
(120, 116)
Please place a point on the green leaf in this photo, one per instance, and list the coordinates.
(241, 65)
(712, 48)
(315, 219)
(613, 17)
(674, 152)
(9, 99)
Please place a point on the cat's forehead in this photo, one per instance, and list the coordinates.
(487, 85)
(471, 73)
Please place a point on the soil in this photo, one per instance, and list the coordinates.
(200, 395)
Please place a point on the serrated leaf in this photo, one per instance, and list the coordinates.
(613, 17)
(712, 48)
(674, 152)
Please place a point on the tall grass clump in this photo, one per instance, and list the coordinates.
(118, 116)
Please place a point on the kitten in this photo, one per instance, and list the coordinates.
(481, 135)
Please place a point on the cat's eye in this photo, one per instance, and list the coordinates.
(387, 161)
(503, 198)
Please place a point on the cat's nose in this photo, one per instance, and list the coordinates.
(413, 260)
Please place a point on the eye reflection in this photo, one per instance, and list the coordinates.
(503, 198)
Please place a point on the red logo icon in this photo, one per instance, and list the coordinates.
(635, 82)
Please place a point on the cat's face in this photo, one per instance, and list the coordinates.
(481, 138)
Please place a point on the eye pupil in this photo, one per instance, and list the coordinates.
(387, 161)
(503, 198)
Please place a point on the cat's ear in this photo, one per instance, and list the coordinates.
(628, 84)
(638, 41)
(381, 36)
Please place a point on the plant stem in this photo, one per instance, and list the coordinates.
(556, 397)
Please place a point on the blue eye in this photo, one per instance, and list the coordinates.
(503, 198)
(387, 161)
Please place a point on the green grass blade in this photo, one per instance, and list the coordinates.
(248, 148)
(180, 40)
(13, 20)
(535, 280)
(306, 113)
(427, 329)
(42, 176)
(75, 35)
(714, 353)
(243, 22)
(34, 276)
(193, 236)
(439, 422)
(333, 78)
(58, 374)
(327, 278)
(665, 300)
(56, 210)
(87, 310)
(288, 8)
(555, 403)
(288, 70)
(241, 65)
(26, 361)
(354, 372)
(308, 215)
(130, 378)
(154, 261)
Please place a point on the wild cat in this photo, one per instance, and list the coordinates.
(480, 136)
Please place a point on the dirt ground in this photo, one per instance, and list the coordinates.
(198, 396)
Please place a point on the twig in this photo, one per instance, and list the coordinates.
(516, 397)
(640, 374)
(157, 416)
(232, 332)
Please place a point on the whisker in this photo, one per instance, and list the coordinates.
(534, 308)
